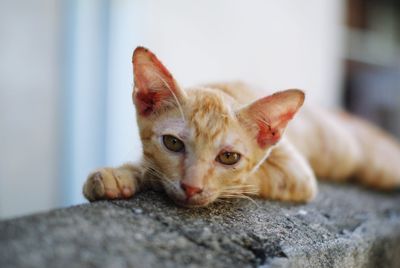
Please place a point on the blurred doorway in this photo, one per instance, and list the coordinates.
(372, 88)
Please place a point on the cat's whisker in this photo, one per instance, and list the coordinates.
(173, 94)
(161, 178)
(250, 199)
(150, 168)
(224, 201)
(242, 185)
(241, 196)
(242, 189)
(242, 193)
(157, 175)
(228, 196)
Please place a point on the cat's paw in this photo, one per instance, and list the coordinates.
(109, 183)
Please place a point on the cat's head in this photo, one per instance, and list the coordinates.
(201, 144)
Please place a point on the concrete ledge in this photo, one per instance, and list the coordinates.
(345, 227)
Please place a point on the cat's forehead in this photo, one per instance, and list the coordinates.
(208, 102)
(208, 117)
(172, 125)
(209, 114)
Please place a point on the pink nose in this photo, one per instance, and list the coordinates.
(190, 190)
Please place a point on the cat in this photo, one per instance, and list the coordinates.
(220, 141)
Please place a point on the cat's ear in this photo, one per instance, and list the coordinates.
(268, 117)
(154, 85)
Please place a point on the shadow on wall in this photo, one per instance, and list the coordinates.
(372, 88)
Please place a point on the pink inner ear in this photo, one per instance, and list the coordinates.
(273, 113)
(271, 134)
(266, 135)
(145, 102)
(153, 82)
(150, 101)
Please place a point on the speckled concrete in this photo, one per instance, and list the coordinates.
(346, 226)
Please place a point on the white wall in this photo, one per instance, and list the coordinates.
(271, 44)
(274, 44)
(28, 106)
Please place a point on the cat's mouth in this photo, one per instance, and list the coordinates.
(195, 201)
(178, 195)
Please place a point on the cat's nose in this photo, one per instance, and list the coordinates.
(190, 190)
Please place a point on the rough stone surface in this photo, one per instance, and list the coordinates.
(346, 226)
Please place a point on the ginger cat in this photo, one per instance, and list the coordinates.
(219, 141)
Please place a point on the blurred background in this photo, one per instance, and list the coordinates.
(66, 77)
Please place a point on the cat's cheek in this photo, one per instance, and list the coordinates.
(237, 167)
(172, 189)
(221, 166)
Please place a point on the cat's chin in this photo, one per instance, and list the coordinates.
(188, 204)
(192, 203)
(199, 200)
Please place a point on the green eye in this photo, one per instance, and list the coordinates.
(173, 143)
(228, 158)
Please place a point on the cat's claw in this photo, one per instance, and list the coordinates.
(109, 183)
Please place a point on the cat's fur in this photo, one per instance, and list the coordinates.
(227, 117)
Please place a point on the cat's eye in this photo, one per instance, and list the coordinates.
(173, 143)
(228, 158)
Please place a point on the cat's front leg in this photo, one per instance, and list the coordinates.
(286, 175)
(113, 183)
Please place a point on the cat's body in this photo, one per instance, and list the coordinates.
(219, 141)
(337, 145)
